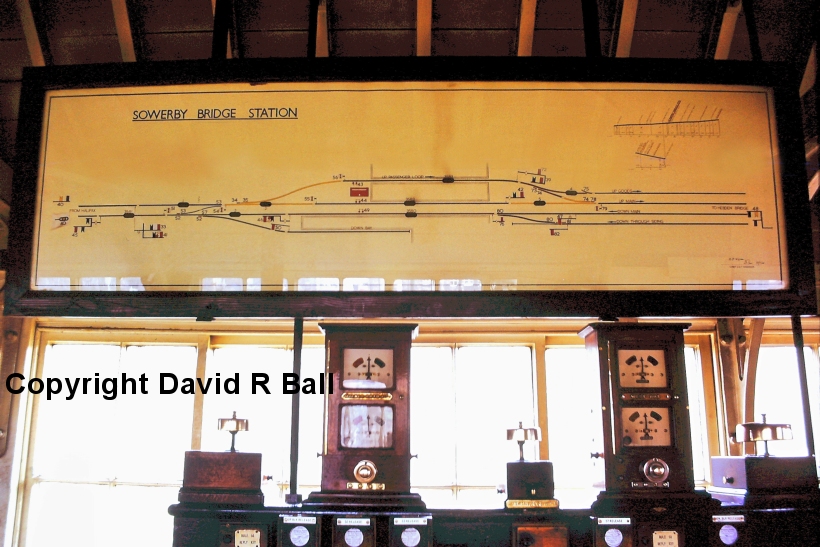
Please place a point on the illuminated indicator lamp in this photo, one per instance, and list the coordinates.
(755, 432)
(233, 426)
(521, 435)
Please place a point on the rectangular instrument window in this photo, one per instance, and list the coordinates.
(367, 368)
(646, 426)
(642, 368)
(366, 426)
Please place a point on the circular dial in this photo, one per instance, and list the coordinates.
(728, 534)
(644, 426)
(613, 537)
(367, 368)
(410, 537)
(642, 368)
(299, 536)
(354, 537)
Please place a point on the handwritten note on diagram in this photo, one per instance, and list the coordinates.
(410, 186)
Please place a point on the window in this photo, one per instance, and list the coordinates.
(697, 414)
(97, 464)
(575, 425)
(777, 394)
(464, 399)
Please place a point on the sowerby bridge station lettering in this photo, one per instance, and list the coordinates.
(179, 114)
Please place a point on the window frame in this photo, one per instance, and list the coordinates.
(537, 335)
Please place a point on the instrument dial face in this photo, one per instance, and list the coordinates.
(299, 536)
(354, 537)
(410, 537)
(367, 368)
(644, 426)
(642, 368)
(366, 426)
(613, 537)
(728, 534)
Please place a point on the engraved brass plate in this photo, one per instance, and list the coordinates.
(646, 397)
(367, 396)
(532, 504)
(365, 486)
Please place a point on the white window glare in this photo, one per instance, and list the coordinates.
(131, 284)
(400, 285)
(98, 283)
(284, 285)
(697, 414)
(504, 285)
(253, 284)
(459, 285)
(777, 395)
(318, 284)
(575, 425)
(222, 284)
(54, 283)
(363, 284)
(764, 285)
(449, 434)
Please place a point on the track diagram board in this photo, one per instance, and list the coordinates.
(410, 186)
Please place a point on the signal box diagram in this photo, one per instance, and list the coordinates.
(410, 186)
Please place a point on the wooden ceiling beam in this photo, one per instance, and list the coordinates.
(592, 29)
(626, 28)
(526, 27)
(424, 27)
(228, 49)
(322, 39)
(124, 34)
(751, 28)
(727, 30)
(810, 74)
(35, 50)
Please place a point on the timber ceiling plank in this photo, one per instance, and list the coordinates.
(81, 31)
(13, 57)
(474, 42)
(371, 28)
(672, 29)
(475, 14)
(273, 28)
(559, 29)
(172, 29)
(784, 28)
(371, 14)
(372, 43)
(10, 26)
(8, 134)
(475, 27)
(275, 43)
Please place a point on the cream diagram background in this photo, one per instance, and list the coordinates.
(510, 185)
